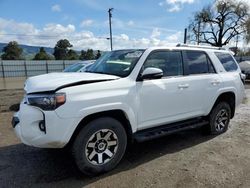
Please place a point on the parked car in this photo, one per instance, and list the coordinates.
(245, 68)
(126, 96)
(80, 66)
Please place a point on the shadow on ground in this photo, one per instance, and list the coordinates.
(24, 166)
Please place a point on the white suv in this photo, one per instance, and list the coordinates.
(129, 95)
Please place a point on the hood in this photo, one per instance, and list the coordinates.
(56, 81)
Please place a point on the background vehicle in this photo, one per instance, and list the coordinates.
(80, 66)
(245, 68)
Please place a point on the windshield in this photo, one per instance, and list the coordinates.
(119, 62)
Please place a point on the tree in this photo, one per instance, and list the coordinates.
(61, 49)
(218, 24)
(42, 55)
(98, 54)
(12, 51)
(90, 54)
(72, 55)
(87, 55)
(82, 55)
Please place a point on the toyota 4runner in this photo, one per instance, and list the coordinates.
(129, 95)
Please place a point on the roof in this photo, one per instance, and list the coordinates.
(191, 47)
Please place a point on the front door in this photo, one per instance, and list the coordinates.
(163, 100)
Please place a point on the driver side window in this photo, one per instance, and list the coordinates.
(170, 62)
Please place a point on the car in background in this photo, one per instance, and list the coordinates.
(245, 68)
(80, 66)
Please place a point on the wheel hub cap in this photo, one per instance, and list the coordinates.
(101, 145)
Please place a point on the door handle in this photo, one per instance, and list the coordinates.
(215, 82)
(183, 86)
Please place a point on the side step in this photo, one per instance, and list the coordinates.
(164, 130)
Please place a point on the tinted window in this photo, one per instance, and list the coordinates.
(170, 62)
(227, 61)
(197, 62)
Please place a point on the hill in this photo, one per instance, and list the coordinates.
(29, 51)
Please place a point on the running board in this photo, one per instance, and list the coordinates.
(164, 130)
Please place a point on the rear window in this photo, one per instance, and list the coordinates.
(227, 61)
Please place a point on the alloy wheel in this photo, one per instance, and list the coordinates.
(101, 147)
(221, 120)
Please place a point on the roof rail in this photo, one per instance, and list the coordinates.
(199, 46)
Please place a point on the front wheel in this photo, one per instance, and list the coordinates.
(219, 118)
(99, 146)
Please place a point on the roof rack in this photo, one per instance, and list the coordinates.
(199, 46)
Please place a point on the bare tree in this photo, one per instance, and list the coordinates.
(217, 24)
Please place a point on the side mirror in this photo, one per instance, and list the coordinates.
(151, 73)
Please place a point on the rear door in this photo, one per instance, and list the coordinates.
(202, 79)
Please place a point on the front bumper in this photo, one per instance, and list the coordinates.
(44, 129)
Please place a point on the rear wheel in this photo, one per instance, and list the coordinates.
(219, 118)
(99, 146)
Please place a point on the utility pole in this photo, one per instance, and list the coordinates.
(199, 30)
(185, 36)
(236, 48)
(110, 28)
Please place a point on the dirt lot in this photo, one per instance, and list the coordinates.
(187, 159)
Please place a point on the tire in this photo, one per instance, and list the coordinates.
(99, 146)
(219, 118)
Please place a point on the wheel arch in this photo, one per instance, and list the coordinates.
(228, 97)
(117, 114)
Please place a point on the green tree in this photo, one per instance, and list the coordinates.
(82, 55)
(87, 55)
(90, 54)
(12, 51)
(42, 55)
(72, 55)
(98, 54)
(218, 23)
(61, 49)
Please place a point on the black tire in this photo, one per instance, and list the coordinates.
(96, 132)
(219, 118)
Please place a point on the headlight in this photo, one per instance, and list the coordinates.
(46, 101)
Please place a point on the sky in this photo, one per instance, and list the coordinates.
(135, 23)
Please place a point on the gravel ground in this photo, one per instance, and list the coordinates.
(186, 159)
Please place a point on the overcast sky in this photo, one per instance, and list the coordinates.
(136, 23)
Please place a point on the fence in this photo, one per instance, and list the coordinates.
(23, 68)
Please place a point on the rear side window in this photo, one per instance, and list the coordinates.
(197, 62)
(227, 61)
